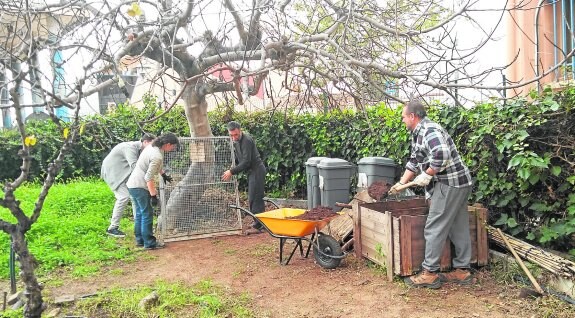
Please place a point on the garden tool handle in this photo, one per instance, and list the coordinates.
(405, 186)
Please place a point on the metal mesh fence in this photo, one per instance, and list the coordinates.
(196, 203)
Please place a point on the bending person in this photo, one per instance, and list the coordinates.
(116, 169)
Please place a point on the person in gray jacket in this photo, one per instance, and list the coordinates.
(116, 169)
(142, 188)
(248, 160)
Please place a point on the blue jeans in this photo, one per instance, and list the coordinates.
(144, 217)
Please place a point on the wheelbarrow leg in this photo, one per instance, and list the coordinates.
(298, 244)
(310, 244)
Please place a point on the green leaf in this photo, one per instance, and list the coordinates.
(511, 222)
(502, 219)
(523, 173)
(556, 170)
(534, 178)
(523, 135)
(530, 236)
(524, 201)
(539, 207)
(514, 161)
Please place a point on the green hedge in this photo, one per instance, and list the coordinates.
(520, 152)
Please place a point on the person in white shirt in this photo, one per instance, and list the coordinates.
(142, 188)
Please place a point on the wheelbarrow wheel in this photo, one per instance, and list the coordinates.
(328, 247)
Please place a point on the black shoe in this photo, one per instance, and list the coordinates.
(155, 246)
(116, 233)
(257, 226)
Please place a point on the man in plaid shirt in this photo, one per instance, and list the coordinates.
(447, 181)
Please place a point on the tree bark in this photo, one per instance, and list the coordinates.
(34, 306)
(196, 109)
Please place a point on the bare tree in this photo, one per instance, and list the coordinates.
(354, 47)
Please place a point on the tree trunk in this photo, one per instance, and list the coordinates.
(185, 201)
(34, 306)
(196, 109)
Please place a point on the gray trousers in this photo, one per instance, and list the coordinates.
(122, 199)
(448, 217)
(256, 187)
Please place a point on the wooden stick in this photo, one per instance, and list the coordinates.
(520, 261)
(553, 263)
(403, 187)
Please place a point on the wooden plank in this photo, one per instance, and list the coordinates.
(379, 236)
(375, 238)
(357, 230)
(374, 256)
(187, 237)
(396, 229)
(473, 232)
(388, 226)
(394, 205)
(341, 226)
(405, 245)
(417, 244)
(482, 238)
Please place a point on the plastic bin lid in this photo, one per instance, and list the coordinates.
(382, 161)
(333, 163)
(313, 161)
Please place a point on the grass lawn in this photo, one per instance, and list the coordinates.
(71, 231)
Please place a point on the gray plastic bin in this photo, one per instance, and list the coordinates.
(312, 177)
(371, 169)
(334, 180)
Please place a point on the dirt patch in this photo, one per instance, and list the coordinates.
(316, 214)
(303, 289)
(379, 189)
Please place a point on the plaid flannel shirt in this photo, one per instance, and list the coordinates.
(431, 146)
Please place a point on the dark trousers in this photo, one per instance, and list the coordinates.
(256, 187)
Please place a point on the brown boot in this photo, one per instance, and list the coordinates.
(460, 276)
(425, 278)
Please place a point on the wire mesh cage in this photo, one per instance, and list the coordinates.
(196, 203)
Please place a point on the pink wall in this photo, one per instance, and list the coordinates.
(521, 31)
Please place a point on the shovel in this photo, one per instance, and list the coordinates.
(397, 190)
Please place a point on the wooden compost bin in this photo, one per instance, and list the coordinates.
(390, 234)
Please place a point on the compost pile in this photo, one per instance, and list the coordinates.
(379, 189)
(316, 214)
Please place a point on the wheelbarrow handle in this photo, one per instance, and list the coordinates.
(233, 206)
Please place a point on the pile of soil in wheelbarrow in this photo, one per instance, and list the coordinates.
(379, 189)
(316, 214)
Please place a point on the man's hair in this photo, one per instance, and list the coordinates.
(147, 137)
(168, 138)
(233, 125)
(415, 106)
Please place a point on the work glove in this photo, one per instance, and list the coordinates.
(393, 190)
(167, 178)
(423, 179)
(154, 201)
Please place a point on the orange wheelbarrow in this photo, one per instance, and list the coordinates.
(278, 223)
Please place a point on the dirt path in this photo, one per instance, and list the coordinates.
(302, 288)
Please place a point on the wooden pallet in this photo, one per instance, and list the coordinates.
(341, 227)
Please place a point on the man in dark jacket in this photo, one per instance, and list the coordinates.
(248, 160)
